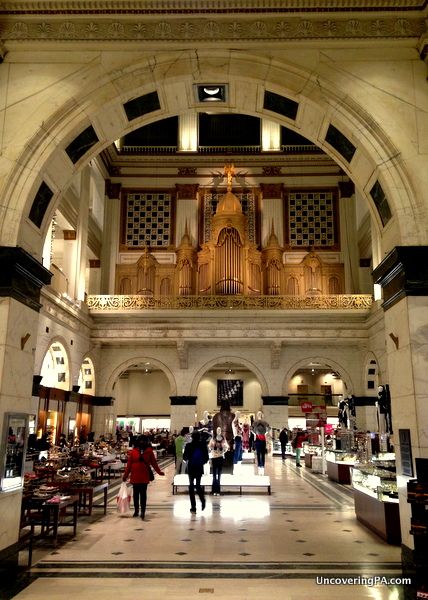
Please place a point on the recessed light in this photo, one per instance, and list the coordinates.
(208, 92)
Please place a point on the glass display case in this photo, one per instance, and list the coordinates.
(375, 481)
(339, 463)
(341, 456)
(376, 497)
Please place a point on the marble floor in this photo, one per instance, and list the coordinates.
(253, 546)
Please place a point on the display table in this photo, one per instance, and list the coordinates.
(228, 481)
(86, 496)
(86, 492)
(50, 515)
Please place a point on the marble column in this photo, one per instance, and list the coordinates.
(111, 230)
(348, 237)
(21, 278)
(272, 211)
(82, 234)
(188, 132)
(103, 417)
(271, 136)
(187, 212)
(365, 413)
(403, 276)
(275, 410)
(183, 412)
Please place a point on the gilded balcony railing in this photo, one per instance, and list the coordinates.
(129, 303)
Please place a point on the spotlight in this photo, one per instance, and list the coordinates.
(211, 93)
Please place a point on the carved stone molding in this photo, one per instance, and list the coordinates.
(204, 6)
(183, 354)
(275, 355)
(136, 302)
(85, 26)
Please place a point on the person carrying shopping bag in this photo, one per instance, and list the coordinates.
(138, 468)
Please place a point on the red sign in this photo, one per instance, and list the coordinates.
(306, 407)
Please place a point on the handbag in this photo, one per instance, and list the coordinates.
(150, 470)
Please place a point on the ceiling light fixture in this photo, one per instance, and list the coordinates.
(210, 92)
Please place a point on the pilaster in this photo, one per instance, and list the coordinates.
(183, 412)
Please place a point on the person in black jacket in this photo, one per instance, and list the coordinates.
(196, 455)
(283, 440)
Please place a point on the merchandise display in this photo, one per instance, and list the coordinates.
(376, 497)
(339, 463)
(375, 481)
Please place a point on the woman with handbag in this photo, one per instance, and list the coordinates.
(141, 460)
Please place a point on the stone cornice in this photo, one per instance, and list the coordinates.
(204, 6)
(191, 25)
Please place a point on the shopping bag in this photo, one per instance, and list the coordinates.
(123, 499)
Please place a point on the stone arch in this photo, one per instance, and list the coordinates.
(232, 359)
(114, 374)
(42, 157)
(346, 378)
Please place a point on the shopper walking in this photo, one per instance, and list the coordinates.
(196, 455)
(140, 461)
(283, 440)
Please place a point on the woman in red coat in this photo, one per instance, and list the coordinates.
(141, 458)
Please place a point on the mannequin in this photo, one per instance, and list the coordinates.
(383, 406)
(237, 441)
(261, 430)
(224, 419)
(246, 430)
(352, 413)
(343, 414)
(218, 447)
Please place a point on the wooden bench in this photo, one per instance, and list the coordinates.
(227, 481)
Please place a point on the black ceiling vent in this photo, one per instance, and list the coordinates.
(381, 203)
(82, 144)
(40, 204)
(281, 105)
(339, 142)
(142, 105)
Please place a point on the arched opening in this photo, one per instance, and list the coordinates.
(142, 399)
(86, 381)
(55, 370)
